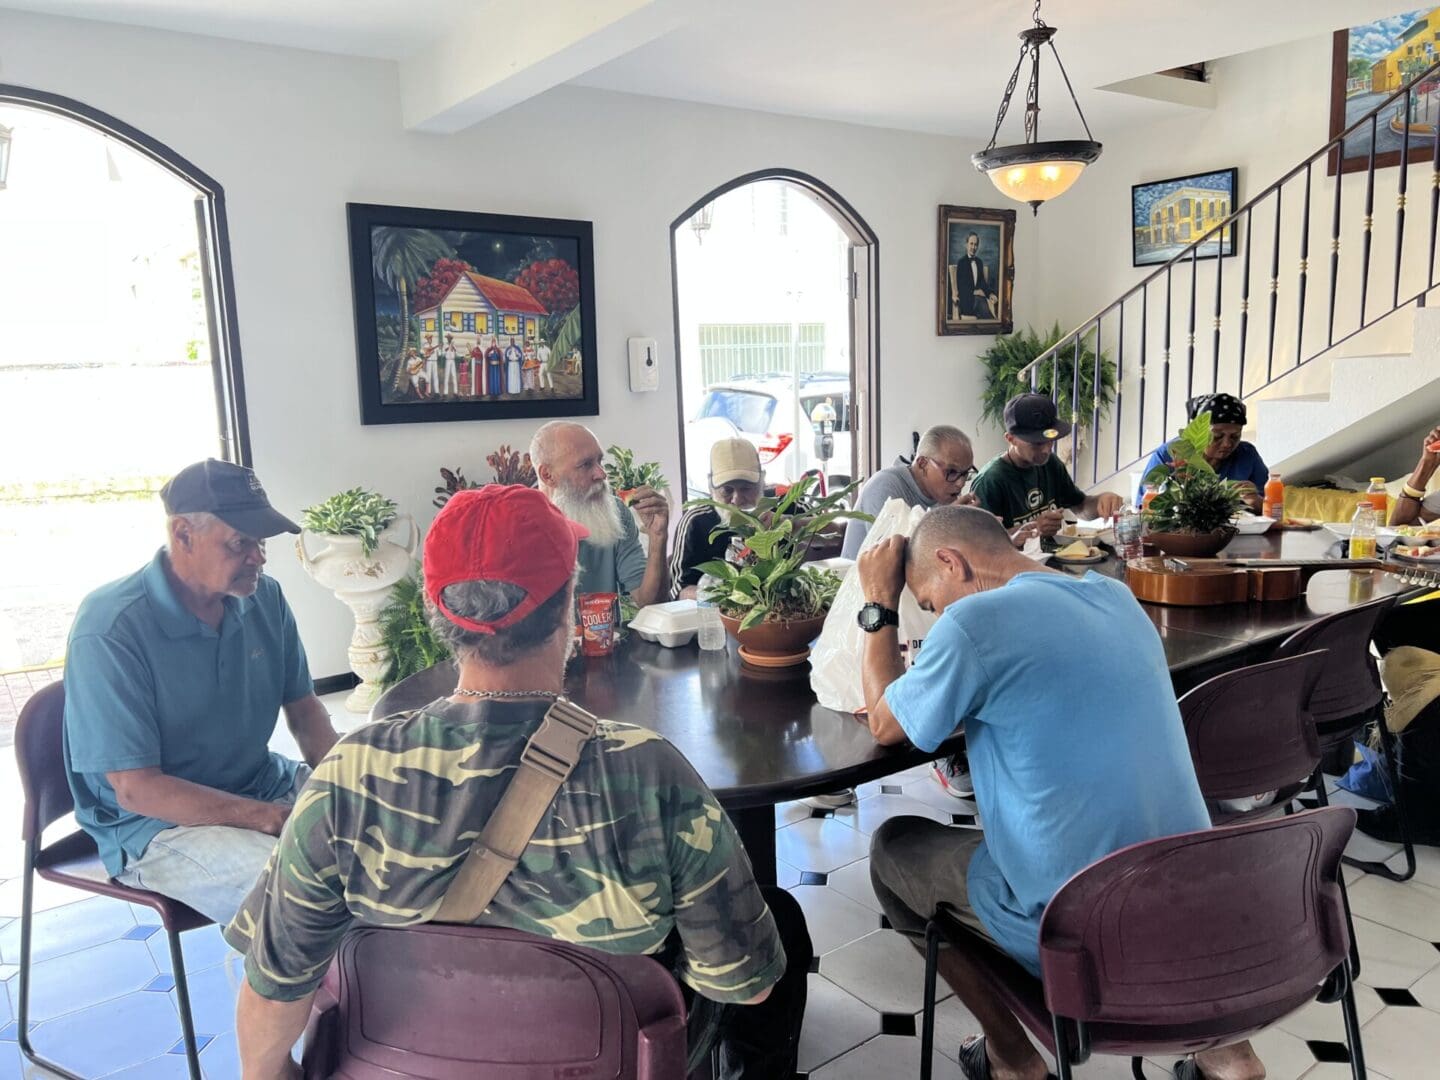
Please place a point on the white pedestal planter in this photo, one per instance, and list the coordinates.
(363, 582)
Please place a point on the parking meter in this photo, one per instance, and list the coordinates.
(822, 420)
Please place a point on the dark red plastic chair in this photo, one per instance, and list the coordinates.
(1347, 698)
(73, 860)
(473, 1002)
(1179, 944)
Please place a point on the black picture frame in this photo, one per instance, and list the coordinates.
(995, 233)
(1186, 228)
(522, 273)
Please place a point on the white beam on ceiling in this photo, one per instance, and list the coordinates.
(512, 50)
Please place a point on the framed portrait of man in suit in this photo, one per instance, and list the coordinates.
(976, 271)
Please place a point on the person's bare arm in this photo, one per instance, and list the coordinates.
(265, 1031)
(310, 723)
(152, 793)
(1105, 505)
(654, 511)
(1408, 509)
(882, 580)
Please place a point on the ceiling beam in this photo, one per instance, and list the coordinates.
(512, 50)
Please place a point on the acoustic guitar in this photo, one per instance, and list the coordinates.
(1207, 582)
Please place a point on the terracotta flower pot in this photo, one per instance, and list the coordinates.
(1195, 545)
(776, 640)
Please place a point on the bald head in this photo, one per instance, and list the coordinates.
(957, 551)
(556, 440)
(966, 529)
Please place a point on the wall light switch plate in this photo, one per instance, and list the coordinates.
(644, 364)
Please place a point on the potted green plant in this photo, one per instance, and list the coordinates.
(509, 467)
(1193, 512)
(626, 475)
(1007, 356)
(363, 555)
(773, 604)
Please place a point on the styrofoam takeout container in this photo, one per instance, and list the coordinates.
(672, 625)
(1252, 524)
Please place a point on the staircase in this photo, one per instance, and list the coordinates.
(1323, 260)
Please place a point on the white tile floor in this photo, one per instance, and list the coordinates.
(103, 970)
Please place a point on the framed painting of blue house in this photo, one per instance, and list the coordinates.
(471, 316)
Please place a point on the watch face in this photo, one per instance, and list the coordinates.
(872, 617)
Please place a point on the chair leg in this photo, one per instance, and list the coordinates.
(1352, 1032)
(27, 918)
(182, 998)
(1390, 756)
(1062, 1049)
(1318, 783)
(927, 1020)
(1137, 1068)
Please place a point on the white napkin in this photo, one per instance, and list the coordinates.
(1033, 550)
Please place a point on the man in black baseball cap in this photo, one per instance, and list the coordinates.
(1027, 487)
(174, 678)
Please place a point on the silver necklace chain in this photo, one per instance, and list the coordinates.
(550, 695)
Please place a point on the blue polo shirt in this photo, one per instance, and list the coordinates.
(148, 684)
(1075, 741)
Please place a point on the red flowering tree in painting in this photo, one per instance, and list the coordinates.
(429, 291)
(553, 282)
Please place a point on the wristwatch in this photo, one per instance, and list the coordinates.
(873, 617)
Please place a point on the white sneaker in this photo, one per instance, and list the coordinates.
(955, 784)
(833, 800)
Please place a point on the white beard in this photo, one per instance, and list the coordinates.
(597, 510)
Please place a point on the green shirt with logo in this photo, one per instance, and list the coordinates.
(633, 847)
(1019, 495)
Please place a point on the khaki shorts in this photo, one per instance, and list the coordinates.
(915, 864)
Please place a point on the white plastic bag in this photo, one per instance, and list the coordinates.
(836, 659)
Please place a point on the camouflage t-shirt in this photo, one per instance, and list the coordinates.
(633, 846)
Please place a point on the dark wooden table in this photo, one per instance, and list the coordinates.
(758, 737)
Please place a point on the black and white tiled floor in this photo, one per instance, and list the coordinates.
(104, 1002)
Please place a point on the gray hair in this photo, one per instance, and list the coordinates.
(486, 601)
(198, 520)
(938, 436)
(542, 444)
(966, 528)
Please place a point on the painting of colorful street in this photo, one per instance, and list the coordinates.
(1381, 57)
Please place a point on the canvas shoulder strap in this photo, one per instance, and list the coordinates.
(545, 763)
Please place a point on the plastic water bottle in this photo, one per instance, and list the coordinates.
(1362, 531)
(1129, 531)
(711, 632)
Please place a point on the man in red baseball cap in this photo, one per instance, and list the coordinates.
(634, 855)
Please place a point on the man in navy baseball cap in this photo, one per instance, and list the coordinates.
(174, 678)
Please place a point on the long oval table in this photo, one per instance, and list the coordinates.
(758, 737)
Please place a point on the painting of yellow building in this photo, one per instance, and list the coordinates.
(1415, 50)
(1169, 215)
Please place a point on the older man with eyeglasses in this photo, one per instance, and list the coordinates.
(174, 679)
(944, 463)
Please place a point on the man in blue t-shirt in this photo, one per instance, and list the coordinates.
(174, 678)
(1075, 741)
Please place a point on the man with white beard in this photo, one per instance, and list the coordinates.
(567, 459)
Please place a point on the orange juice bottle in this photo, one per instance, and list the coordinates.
(1379, 499)
(1151, 491)
(1275, 498)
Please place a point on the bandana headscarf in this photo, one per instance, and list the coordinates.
(1223, 408)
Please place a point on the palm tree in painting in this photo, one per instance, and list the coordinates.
(402, 257)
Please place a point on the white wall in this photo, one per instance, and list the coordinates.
(292, 136)
(1272, 111)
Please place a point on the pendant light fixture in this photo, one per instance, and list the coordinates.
(1035, 171)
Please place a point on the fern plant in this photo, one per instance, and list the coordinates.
(1192, 498)
(625, 474)
(405, 631)
(1007, 357)
(356, 512)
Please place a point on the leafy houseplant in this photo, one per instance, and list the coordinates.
(625, 474)
(509, 466)
(1194, 506)
(356, 512)
(405, 631)
(773, 589)
(1008, 355)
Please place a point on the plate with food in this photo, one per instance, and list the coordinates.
(1080, 553)
(1427, 554)
(1298, 524)
(1384, 536)
(1088, 532)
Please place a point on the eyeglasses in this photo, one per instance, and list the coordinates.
(952, 474)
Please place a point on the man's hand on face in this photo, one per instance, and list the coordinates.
(882, 571)
(1109, 504)
(654, 511)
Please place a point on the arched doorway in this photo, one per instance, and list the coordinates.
(775, 280)
(119, 358)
